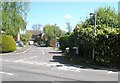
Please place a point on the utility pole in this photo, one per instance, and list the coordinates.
(55, 35)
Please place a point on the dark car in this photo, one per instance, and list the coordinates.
(42, 44)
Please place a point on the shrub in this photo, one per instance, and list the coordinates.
(66, 41)
(106, 42)
(26, 37)
(63, 43)
(8, 43)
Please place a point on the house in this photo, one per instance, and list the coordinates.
(36, 35)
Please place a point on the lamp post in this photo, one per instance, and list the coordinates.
(55, 36)
(94, 14)
(93, 51)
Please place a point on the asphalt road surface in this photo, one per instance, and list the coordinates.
(45, 64)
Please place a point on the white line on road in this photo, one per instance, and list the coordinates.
(43, 52)
(6, 73)
(5, 60)
(110, 72)
(24, 51)
(54, 65)
(25, 59)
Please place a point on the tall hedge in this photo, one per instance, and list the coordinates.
(106, 43)
(108, 49)
(8, 44)
(106, 40)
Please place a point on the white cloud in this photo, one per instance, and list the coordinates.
(68, 16)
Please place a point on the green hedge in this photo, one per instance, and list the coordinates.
(8, 44)
(63, 43)
(106, 43)
(108, 49)
(66, 41)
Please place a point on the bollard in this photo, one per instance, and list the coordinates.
(77, 50)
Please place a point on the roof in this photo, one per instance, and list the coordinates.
(34, 32)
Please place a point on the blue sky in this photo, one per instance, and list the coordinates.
(60, 12)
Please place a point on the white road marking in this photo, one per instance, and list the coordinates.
(58, 66)
(70, 68)
(43, 52)
(24, 51)
(5, 60)
(45, 48)
(110, 72)
(6, 73)
(25, 59)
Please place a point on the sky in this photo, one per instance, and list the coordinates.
(61, 12)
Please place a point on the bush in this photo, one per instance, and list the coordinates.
(108, 49)
(106, 42)
(66, 41)
(63, 43)
(26, 37)
(8, 43)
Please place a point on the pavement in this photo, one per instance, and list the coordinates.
(45, 64)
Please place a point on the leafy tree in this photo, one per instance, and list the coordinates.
(26, 37)
(119, 19)
(52, 31)
(105, 16)
(13, 16)
(36, 26)
(69, 27)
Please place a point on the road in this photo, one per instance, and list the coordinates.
(45, 64)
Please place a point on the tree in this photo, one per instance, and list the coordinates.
(69, 27)
(119, 19)
(14, 16)
(52, 31)
(105, 16)
(26, 37)
(36, 26)
(105, 41)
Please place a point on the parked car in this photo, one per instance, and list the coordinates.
(42, 44)
(19, 43)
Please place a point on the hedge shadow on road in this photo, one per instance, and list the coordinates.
(60, 59)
